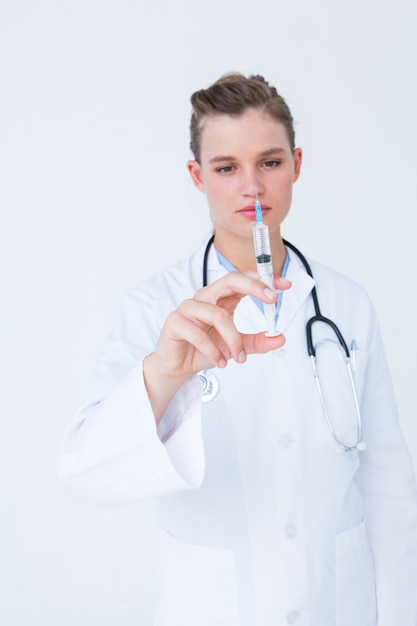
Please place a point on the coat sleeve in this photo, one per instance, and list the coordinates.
(112, 452)
(387, 481)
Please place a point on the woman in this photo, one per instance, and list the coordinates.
(264, 519)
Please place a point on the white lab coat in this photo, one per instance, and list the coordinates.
(263, 521)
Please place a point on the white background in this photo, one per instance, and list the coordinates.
(94, 196)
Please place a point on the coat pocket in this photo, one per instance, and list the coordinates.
(355, 579)
(196, 585)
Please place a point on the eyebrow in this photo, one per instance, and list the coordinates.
(271, 151)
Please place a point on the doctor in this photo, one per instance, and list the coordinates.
(264, 521)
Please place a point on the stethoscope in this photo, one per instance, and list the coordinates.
(210, 383)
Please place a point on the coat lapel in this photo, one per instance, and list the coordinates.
(292, 300)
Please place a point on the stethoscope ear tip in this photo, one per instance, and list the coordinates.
(361, 445)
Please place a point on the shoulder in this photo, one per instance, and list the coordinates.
(337, 293)
(146, 305)
(327, 276)
(172, 284)
(342, 296)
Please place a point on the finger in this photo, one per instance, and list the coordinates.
(282, 283)
(179, 328)
(217, 323)
(260, 343)
(236, 285)
(221, 327)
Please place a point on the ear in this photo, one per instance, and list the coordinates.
(298, 157)
(194, 168)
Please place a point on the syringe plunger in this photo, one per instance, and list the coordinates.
(264, 264)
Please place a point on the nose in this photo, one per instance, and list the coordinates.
(252, 185)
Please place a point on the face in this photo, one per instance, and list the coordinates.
(240, 158)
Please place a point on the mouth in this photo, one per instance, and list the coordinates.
(250, 212)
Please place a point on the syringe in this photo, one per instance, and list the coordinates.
(264, 265)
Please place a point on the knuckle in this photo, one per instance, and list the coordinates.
(198, 293)
(171, 318)
(182, 308)
(199, 336)
(221, 315)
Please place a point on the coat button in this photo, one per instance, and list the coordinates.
(291, 531)
(293, 617)
(286, 440)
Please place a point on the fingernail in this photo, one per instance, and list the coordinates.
(241, 357)
(269, 293)
(222, 363)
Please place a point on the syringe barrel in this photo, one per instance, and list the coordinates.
(263, 253)
(261, 239)
(265, 269)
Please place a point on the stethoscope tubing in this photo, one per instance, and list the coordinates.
(317, 317)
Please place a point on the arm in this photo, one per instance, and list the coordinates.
(387, 482)
(201, 334)
(113, 451)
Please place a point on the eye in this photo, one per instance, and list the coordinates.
(272, 163)
(225, 169)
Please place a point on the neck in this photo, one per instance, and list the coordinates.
(241, 254)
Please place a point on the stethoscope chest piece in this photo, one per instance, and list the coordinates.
(210, 385)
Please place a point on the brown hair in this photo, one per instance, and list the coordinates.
(233, 94)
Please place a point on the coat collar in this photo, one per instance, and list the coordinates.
(293, 299)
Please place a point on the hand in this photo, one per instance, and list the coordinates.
(200, 334)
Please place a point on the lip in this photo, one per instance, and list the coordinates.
(249, 211)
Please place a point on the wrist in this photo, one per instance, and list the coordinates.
(160, 387)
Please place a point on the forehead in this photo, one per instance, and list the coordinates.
(254, 130)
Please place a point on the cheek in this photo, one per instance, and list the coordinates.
(288, 181)
(217, 189)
